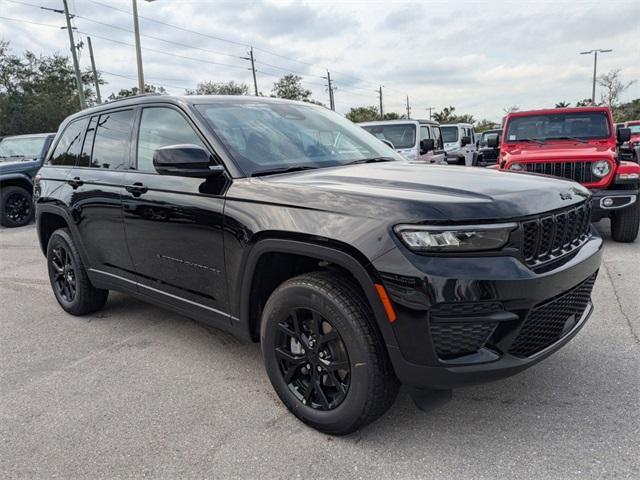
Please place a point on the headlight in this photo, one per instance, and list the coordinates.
(601, 168)
(516, 167)
(465, 238)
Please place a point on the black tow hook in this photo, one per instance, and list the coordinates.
(427, 399)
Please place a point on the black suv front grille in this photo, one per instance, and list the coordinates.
(551, 236)
(549, 322)
(576, 171)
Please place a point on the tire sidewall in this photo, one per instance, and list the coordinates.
(277, 309)
(60, 237)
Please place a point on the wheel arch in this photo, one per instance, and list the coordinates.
(362, 273)
(17, 180)
(51, 217)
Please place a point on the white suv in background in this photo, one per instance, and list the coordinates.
(460, 143)
(416, 140)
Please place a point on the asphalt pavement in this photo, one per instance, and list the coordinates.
(136, 391)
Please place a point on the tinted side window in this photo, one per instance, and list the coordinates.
(160, 127)
(437, 134)
(84, 160)
(68, 147)
(112, 140)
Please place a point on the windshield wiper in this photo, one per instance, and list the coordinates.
(273, 171)
(372, 160)
(581, 140)
(534, 140)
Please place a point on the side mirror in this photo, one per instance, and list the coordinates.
(427, 145)
(185, 161)
(493, 141)
(387, 142)
(623, 134)
(466, 140)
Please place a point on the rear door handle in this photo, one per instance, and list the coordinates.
(75, 182)
(136, 189)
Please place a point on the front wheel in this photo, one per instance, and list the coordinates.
(323, 356)
(626, 223)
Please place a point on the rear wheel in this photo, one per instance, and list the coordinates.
(68, 277)
(323, 356)
(626, 223)
(16, 207)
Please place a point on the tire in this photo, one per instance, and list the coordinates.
(16, 205)
(69, 280)
(356, 384)
(625, 223)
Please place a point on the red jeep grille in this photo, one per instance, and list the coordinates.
(577, 171)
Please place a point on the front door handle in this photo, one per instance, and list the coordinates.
(136, 189)
(75, 182)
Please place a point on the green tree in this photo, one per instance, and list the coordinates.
(627, 111)
(484, 125)
(129, 92)
(562, 105)
(393, 116)
(219, 88)
(363, 114)
(290, 87)
(37, 92)
(447, 116)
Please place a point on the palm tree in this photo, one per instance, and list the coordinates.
(563, 104)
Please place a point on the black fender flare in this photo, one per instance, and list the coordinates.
(366, 279)
(17, 176)
(66, 216)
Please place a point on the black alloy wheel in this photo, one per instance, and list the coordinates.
(64, 280)
(313, 359)
(17, 207)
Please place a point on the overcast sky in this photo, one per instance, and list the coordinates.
(478, 56)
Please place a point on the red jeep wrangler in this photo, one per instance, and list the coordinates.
(579, 144)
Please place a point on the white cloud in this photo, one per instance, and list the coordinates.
(478, 56)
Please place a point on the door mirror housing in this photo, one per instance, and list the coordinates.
(185, 160)
(427, 145)
(493, 141)
(623, 134)
(466, 140)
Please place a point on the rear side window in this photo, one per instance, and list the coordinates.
(84, 160)
(160, 127)
(112, 140)
(68, 148)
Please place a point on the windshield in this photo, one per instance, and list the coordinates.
(265, 136)
(27, 147)
(450, 134)
(582, 125)
(402, 135)
(635, 129)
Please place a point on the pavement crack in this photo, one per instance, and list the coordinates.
(635, 336)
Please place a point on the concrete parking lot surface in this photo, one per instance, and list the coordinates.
(136, 391)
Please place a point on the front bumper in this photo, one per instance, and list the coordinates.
(605, 202)
(494, 295)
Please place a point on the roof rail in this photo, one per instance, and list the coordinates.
(134, 96)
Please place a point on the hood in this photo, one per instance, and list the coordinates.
(555, 151)
(18, 164)
(400, 192)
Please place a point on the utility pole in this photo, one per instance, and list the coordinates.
(429, 108)
(136, 31)
(95, 73)
(74, 55)
(408, 109)
(595, 67)
(253, 70)
(380, 94)
(332, 104)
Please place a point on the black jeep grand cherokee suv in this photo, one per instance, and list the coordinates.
(284, 223)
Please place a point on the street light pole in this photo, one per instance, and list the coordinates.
(136, 30)
(595, 68)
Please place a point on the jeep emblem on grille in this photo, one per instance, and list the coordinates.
(566, 196)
